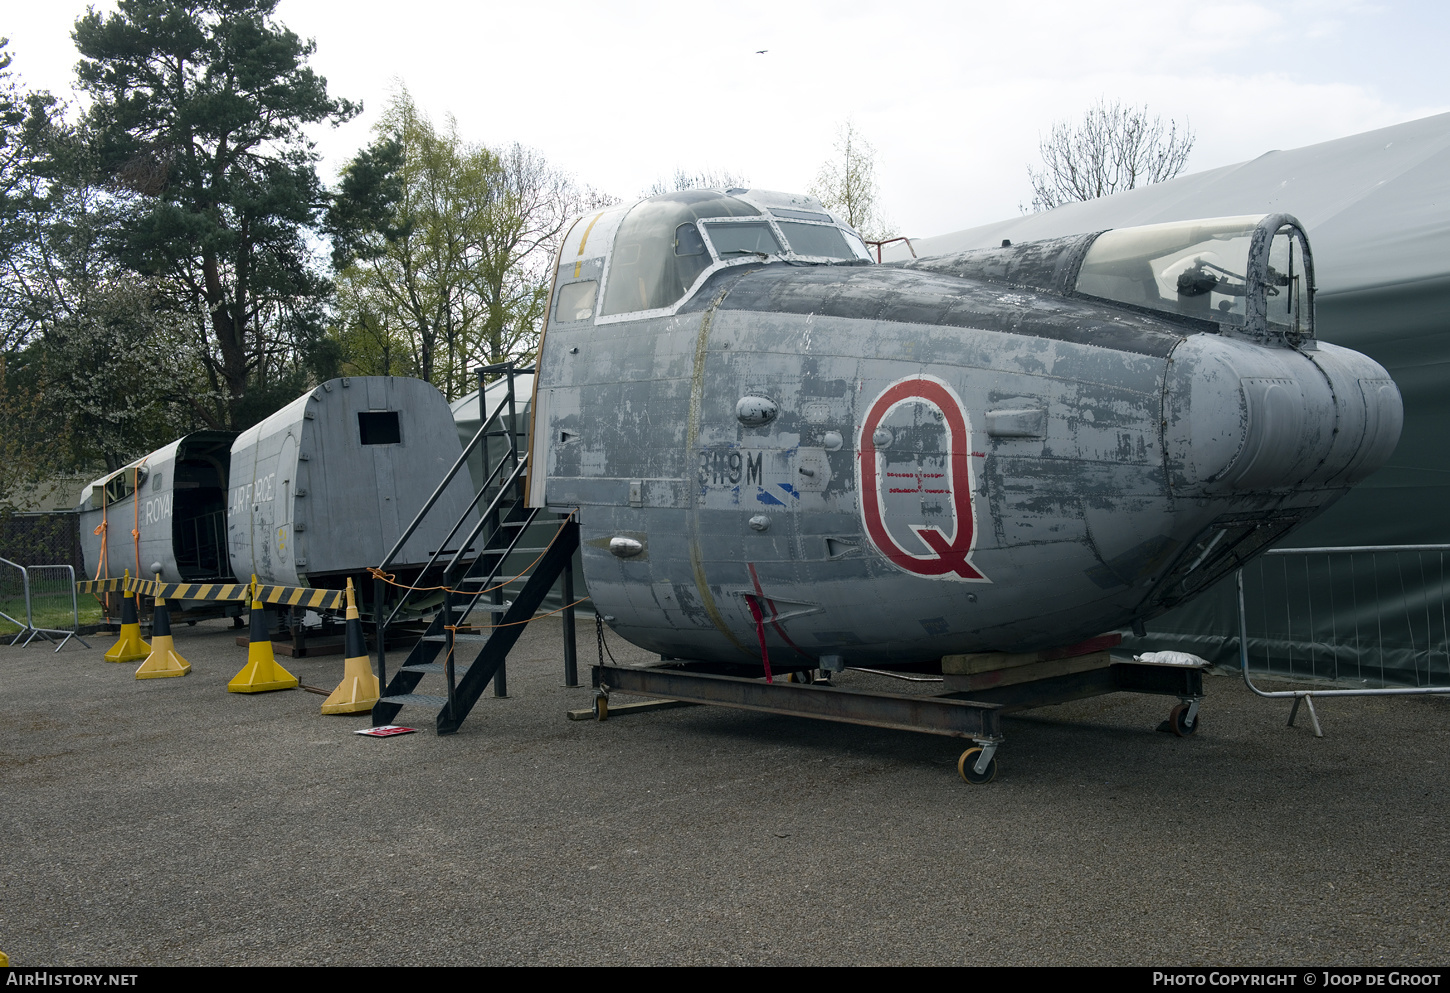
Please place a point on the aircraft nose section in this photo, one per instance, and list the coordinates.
(1238, 416)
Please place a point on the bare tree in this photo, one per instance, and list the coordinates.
(704, 179)
(847, 184)
(443, 249)
(1113, 148)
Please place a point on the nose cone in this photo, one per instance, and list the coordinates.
(1240, 417)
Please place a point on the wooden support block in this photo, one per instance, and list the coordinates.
(1024, 672)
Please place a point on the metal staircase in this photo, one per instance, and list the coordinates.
(476, 627)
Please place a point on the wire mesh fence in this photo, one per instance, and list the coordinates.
(1352, 621)
(53, 602)
(32, 539)
(40, 600)
(1372, 616)
(14, 594)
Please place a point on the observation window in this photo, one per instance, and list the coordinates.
(576, 301)
(816, 239)
(1193, 268)
(655, 257)
(125, 482)
(379, 427)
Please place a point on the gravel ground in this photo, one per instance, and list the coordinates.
(168, 822)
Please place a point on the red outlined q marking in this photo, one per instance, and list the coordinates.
(941, 556)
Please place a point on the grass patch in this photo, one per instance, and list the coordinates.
(48, 611)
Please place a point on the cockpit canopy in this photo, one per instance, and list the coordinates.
(651, 255)
(1253, 271)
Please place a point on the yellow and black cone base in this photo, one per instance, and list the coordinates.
(131, 646)
(261, 673)
(359, 689)
(163, 660)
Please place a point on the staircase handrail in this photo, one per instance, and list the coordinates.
(447, 479)
(472, 535)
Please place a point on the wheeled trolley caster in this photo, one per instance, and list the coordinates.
(1182, 719)
(978, 765)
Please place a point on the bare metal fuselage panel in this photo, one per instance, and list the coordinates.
(890, 464)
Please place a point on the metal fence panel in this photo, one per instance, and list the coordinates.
(1367, 620)
(1373, 616)
(15, 595)
(48, 595)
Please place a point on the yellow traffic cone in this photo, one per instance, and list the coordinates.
(358, 690)
(163, 660)
(130, 646)
(261, 673)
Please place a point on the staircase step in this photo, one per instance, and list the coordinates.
(463, 610)
(459, 668)
(416, 700)
(456, 637)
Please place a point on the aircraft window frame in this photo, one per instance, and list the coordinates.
(857, 244)
(124, 483)
(575, 301)
(1228, 270)
(379, 427)
(688, 205)
(1289, 284)
(717, 263)
(818, 216)
(706, 223)
(841, 232)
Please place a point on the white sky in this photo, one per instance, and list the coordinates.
(955, 96)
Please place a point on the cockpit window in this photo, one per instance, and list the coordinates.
(857, 245)
(816, 239)
(743, 238)
(655, 258)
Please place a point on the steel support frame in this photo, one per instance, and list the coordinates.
(973, 719)
(975, 715)
(488, 664)
(1183, 682)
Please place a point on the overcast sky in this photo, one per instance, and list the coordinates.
(955, 96)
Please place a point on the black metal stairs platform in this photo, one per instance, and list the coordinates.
(470, 661)
(457, 655)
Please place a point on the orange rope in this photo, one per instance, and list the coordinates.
(391, 577)
(136, 508)
(103, 562)
(455, 628)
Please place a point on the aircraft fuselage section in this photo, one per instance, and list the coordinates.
(896, 464)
